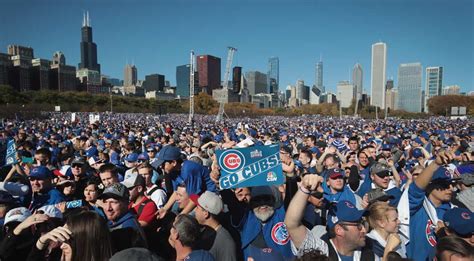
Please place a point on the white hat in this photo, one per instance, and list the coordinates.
(17, 214)
(51, 211)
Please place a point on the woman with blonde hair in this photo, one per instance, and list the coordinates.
(383, 220)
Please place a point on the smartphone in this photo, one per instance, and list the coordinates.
(27, 160)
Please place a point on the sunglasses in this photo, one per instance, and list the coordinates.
(383, 174)
(76, 165)
(360, 225)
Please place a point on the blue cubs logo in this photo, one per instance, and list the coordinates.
(348, 204)
(232, 160)
(465, 215)
(280, 234)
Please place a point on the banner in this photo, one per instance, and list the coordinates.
(11, 153)
(73, 117)
(249, 167)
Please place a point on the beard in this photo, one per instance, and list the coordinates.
(264, 213)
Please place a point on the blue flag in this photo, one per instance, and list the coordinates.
(11, 153)
(249, 167)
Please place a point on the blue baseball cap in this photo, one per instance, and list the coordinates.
(40, 172)
(386, 146)
(168, 152)
(418, 140)
(132, 157)
(460, 220)
(344, 211)
(417, 153)
(143, 156)
(92, 151)
(442, 173)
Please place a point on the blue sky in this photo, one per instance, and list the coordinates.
(158, 35)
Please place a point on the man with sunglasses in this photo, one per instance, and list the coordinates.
(78, 169)
(424, 205)
(381, 177)
(346, 231)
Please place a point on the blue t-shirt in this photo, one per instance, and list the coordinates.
(200, 255)
(196, 177)
(346, 258)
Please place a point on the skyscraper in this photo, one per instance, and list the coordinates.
(236, 79)
(209, 72)
(130, 75)
(357, 80)
(319, 76)
(256, 82)
(409, 87)
(345, 93)
(434, 83)
(182, 80)
(88, 47)
(273, 77)
(154, 82)
(378, 69)
(21, 73)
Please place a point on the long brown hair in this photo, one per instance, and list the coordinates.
(90, 238)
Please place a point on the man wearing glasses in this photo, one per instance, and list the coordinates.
(346, 231)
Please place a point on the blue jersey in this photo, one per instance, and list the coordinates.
(274, 233)
(422, 236)
(196, 177)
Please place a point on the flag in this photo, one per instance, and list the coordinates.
(11, 153)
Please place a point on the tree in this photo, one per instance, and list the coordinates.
(441, 105)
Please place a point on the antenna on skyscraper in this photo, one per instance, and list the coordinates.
(88, 20)
(84, 18)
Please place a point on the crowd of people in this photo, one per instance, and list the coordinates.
(146, 187)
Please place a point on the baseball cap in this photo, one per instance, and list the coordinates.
(133, 179)
(467, 179)
(378, 194)
(168, 152)
(116, 191)
(460, 220)
(209, 201)
(286, 149)
(417, 153)
(262, 195)
(40, 172)
(51, 211)
(17, 215)
(344, 211)
(386, 146)
(441, 173)
(78, 160)
(92, 151)
(143, 157)
(93, 160)
(380, 169)
(132, 157)
(335, 173)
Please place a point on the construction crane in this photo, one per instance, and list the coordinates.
(191, 88)
(230, 56)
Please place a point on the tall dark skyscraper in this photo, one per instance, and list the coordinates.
(236, 78)
(209, 70)
(88, 47)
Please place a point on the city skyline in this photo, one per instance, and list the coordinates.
(111, 29)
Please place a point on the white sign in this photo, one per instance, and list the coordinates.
(57, 108)
(73, 117)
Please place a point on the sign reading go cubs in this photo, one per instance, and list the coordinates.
(231, 160)
(248, 167)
